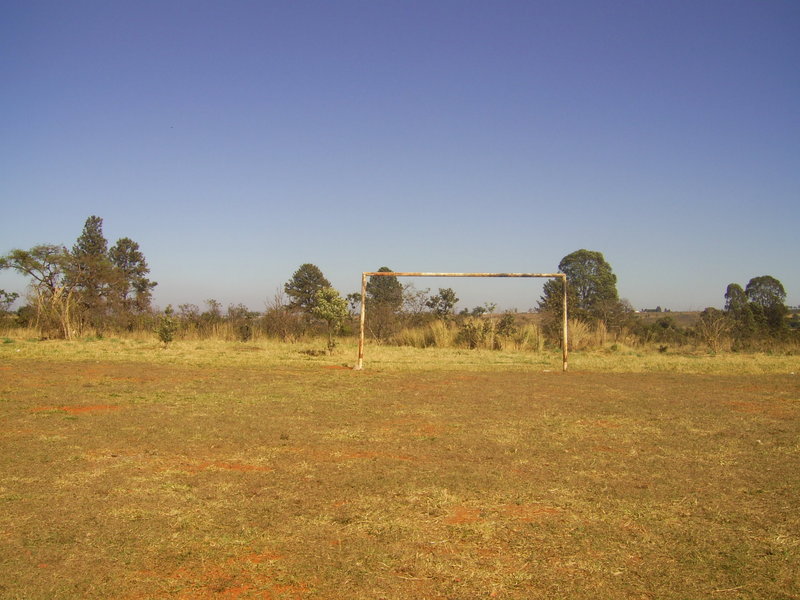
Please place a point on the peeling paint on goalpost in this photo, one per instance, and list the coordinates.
(366, 274)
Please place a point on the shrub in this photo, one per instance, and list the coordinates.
(474, 332)
(167, 326)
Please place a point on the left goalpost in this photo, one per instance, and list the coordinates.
(366, 274)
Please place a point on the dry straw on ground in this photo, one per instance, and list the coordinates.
(258, 471)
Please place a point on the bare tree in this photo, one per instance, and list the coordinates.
(714, 328)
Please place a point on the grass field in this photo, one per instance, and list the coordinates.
(214, 470)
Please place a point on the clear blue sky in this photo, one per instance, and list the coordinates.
(236, 140)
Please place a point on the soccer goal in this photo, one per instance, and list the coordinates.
(366, 274)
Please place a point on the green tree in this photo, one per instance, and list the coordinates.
(591, 286)
(167, 326)
(479, 311)
(591, 294)
(385, 290)
(91, 272)
(132, 288)
(331, 308)
(384, 301)
(767, 298)
(735, 298)
(91, 285)
(740, 313)
(765, 291)
(52, 293)
(44, 264)
(757, 311)
(443, 303)
(6, 300)
(353, 303)
(302, 288)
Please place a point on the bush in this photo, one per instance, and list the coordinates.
(167, 326)
(476, 333)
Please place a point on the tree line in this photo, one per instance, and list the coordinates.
(90, 286)
(753, 318)
(96, 289)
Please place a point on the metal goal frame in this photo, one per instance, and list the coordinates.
(366, 274)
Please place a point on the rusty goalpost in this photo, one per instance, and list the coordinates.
(366, 274)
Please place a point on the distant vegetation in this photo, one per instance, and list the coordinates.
(89, 288)
(92, 290)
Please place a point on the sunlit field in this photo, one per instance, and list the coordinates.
(269, 470)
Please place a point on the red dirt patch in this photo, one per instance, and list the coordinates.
(263, 557)
(759, 408)
(357, 455)
(235, 579)
(528, 513)
(430, 429)
(461, 515)
(76, 410)
(744, 406)
(227, 466)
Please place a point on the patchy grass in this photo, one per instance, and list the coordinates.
(310, 353)
(256, 471)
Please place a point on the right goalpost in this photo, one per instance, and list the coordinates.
(366, 274)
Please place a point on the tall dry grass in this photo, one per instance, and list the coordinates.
(443, 333)
(413, 337)
(586, 336)
(528, 337)
(436, 334)
(473, 333)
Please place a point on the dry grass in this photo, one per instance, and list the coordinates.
(259, 471)
(615, 358)
(440, 334)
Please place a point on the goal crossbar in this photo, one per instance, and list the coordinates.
(367, 274)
